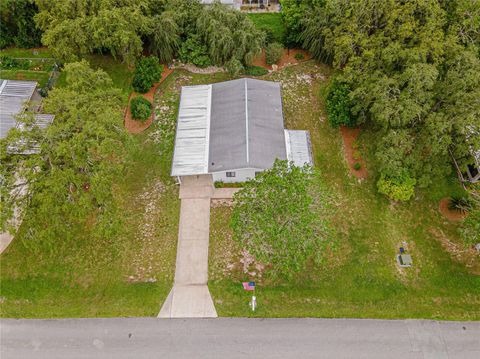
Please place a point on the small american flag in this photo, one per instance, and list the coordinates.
(248, 285)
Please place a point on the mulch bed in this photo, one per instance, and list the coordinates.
(134, 126)
(349, 135)
(288, 58)
(448, 213)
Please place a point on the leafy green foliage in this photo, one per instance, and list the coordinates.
(80, 155)
(397, 188)
(165, 37)
(357, 166)
(299, 56)
(411, 69)
(18, 27)
(461, 203)
(339, 106)
(147, 72)
(227, 34)
(255, 71)
(234, 67)
(71, 30)
(7, 62)
(194, 52)
(275, 218)
(273, 53)
(140, 108)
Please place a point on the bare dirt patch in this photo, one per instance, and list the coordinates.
(288, 58)
(352, 153)
(134, 126)
(448, 213)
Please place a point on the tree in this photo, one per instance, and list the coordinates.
(338, 105)
(69, 183)
(147, 72)
(74, 29)
(409, 66)
(273, 53)
(276, 218)
(18, 27)
(228, 34)
(165, 39)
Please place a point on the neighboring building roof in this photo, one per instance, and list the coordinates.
(298, 147)
(229, 125)
(13, 97)
(235, 3)
(246, 126)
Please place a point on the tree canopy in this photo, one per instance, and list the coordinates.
(413, 70)
(69, 182)
(276, 218)
(125, 28)
(18, 27)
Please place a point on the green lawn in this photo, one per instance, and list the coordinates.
(40, 76)
(129, 277)
(42, 52)
(270, 22)
(359, 277)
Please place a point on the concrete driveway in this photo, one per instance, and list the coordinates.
(189, 297)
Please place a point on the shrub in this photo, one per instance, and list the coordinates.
(147, 71)
(356, 155)
(462, 204)
(194, 52)
(357, 166)
(8, 62)
(400, 188)
(234, 67)
(140, 108)
(339, 105)
(255, 71)
(273, 53)
(299, 57)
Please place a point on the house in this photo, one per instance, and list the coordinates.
(15, 97)
(236, 4)
(233, 130)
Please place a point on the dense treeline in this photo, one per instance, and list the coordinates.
(17, 26)
(413, 70)
(126, 28)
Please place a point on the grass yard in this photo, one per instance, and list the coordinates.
(41, 52)
(40, 76)
(133, 275)
(271, 22)
(359, 277)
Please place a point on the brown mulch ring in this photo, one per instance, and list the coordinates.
(448, 213)
(288, 58)
(349, 135)
(134, 126)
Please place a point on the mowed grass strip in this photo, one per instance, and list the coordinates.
(270, 22)
(359, 276)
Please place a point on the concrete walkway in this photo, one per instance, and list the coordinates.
(189, 297)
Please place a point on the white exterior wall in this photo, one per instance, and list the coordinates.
(241, 175)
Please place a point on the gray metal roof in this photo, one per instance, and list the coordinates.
(298, 147)
(233, 125)
(13, 97)
(190, 155)
(246, 125)
(25, 148)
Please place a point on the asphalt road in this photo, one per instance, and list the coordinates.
(238, 338)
